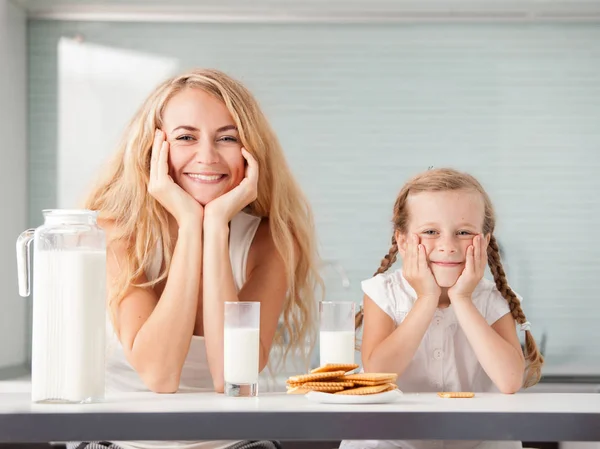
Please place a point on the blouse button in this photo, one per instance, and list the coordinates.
(437, 354)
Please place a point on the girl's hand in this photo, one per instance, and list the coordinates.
(417, 272)
(476, 261)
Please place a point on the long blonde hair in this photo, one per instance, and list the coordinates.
(444, 179)
(142, 223)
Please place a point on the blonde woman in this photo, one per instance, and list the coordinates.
(200, 207)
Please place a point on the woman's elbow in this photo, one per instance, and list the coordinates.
(157, 376)
(162, 387)
(161, 384)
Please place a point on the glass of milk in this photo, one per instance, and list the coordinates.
(241, 348)
(336, 336)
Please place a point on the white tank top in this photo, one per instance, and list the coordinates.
(195, 375)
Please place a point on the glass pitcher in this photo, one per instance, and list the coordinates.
(69, 305)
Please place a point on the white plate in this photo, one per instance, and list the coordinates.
(379, 398)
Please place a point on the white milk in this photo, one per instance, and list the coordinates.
(69, 319)
(241, 353)
(336, 347)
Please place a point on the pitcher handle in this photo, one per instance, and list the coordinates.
(24, 261)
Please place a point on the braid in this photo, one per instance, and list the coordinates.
(389, 259)
(501, 283)
(532, 354)
(386, 263)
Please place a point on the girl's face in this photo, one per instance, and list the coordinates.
(445, 223)
(205, 156)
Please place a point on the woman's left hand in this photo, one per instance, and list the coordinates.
(223, 208)
(476, 261)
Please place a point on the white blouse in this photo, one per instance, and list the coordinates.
(444, 361)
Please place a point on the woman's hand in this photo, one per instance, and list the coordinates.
(222, 209)
(167, 192)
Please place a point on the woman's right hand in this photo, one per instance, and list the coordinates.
(416, 271)
(166, 191)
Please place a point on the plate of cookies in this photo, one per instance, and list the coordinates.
(336, 384)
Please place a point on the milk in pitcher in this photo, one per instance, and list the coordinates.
(69, 322)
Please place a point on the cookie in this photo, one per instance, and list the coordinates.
(456, 394)
(344, 384)
(335, 367)
(370, 383)
(365, 390)
(303, 389)
(303, 378)
(371, 379)
(298, 390)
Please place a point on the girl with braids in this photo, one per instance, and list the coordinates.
(438, 322)
(200, 207)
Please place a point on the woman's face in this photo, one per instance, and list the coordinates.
(205, 156)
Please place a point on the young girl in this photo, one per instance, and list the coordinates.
(437, 322)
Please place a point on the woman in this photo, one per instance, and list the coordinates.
(200, 207)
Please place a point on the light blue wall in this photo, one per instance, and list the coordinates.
(13, 183)
(361, 108)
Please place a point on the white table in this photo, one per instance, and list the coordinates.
(206, 416)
